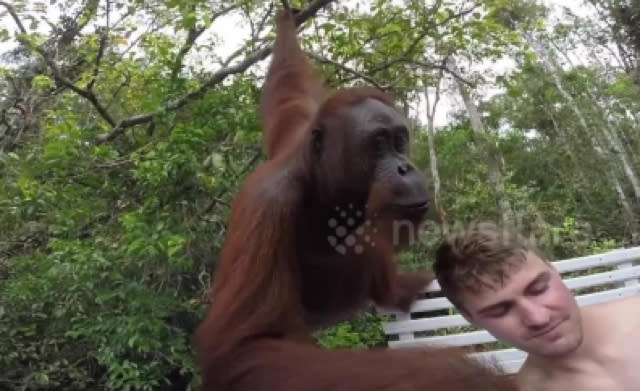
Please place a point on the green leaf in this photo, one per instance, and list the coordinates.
(190, 20)
(174, 244)
(42, 83)
(41, 378)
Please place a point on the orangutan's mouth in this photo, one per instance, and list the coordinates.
(414, 206)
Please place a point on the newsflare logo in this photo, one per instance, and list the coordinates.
(345, 237)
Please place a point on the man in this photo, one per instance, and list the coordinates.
(500, 282)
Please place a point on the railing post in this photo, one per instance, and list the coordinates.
(405, 336)
(626, 283)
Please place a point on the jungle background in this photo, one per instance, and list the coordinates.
(126, 127)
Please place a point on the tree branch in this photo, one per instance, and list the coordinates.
(255, 31)
(403, 58)
(217, 199)
(154, 26)
(264, 20)
(91, 7)
(87, 94)
(361, 75)
(444, 68)
(192, 35)
(96, 69)
(122, 18)
(215, 79)
(114, 96)
(240, 50)
(14, 15)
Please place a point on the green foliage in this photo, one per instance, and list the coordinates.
(107, 244)
(107, 248)
(84, 310)
(42, 82)
(364, 331)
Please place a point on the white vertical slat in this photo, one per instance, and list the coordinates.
(408, 336)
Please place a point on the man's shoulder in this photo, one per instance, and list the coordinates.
(627, 308)
(614, 321)
(530, 376)
(629, 302)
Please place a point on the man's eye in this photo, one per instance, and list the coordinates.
(539, 288)
(498, 312)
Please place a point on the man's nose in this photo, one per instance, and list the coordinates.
(533, 314)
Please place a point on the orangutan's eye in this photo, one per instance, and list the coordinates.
(381, 141)
(400, 142)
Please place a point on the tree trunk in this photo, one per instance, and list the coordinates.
(433, 157)
(611, 176)
(610, 137)
(495, 161)
(610, 132)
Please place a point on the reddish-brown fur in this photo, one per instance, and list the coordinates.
(271, 287)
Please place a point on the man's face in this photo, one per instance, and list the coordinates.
(534, 310)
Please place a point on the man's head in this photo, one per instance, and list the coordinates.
(502, 283)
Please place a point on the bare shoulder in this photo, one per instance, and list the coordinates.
(628, 309)
(614, 320)
(616, 308)
(530, 377)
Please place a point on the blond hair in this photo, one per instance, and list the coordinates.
(478, 257)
